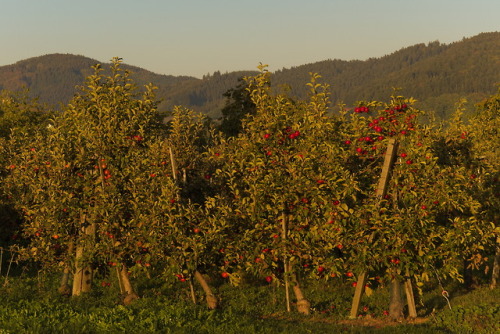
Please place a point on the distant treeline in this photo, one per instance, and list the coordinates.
(437, 75)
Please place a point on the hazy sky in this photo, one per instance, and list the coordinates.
(196, 37)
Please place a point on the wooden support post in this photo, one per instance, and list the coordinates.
(286, 264)
(360, 288)
(172, 162)
(390, 155)
(410, 298)
(120, 281)
(191, 289)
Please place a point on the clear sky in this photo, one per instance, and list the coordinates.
(196, 37)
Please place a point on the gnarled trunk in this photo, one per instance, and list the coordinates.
(303, 305)
(396, 304)
(210, 297)
(128, 290)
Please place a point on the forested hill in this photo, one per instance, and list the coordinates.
(436, 74)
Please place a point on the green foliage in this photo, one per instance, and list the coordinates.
(238, 106)
(294, 197)
(284, 169)
(249, 309)
(479, 313)
(20, 113)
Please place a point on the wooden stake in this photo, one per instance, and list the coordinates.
(410, 298)
(286, 264)
(120, 281)
(172, 162)
(1, 260)
(191, 288)
(390, 155)
(360, 288)
(8, 269)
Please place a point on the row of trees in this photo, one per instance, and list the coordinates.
(292, 191)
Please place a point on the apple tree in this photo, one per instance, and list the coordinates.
(410, 231)
(71, 184)
(286, 193)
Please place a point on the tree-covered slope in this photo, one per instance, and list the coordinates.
(436, 74)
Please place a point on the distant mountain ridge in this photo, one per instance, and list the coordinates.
(436, 74)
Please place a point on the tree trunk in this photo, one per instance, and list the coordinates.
(468, 279)
(211, 299)
(496, 266)
(396, 304)
(286, 266)
(65, 288)
(82, 279)
(303, 305)
(130, 295)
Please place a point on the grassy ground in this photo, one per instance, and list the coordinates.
(30, 306)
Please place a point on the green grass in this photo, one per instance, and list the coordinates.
(31, 306)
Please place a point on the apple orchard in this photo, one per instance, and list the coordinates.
(110, 190)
